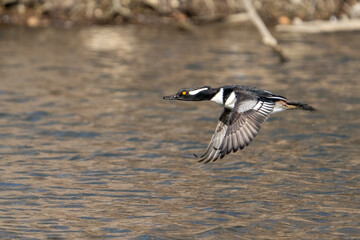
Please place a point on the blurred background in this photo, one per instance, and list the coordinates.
(90, 150)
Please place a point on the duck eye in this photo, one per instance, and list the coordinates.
(183, 93)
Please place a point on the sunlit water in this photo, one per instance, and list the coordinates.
(89, 150)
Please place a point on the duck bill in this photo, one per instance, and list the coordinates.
(170, 97)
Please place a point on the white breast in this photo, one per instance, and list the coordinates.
(230, 101)
(218, 98)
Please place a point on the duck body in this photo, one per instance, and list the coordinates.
(245, 109)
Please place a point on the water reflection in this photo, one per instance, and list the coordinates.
(121, 40)
(90, 150)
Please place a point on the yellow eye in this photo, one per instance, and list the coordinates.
(183, 93)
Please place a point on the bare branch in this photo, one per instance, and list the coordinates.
(267, 38)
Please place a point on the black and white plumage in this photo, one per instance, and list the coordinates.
(245, 109)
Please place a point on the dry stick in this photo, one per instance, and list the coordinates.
(267, 38)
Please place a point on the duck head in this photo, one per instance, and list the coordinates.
(193, 94)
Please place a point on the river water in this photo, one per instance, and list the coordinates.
(90, 150)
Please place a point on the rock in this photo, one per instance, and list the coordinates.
(33, 21)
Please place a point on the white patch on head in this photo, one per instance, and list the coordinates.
(194, 92)
(218, 98)
(231, 100)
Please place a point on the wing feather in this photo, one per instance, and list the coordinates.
(237, 128)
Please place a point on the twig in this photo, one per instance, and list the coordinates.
(267, 38)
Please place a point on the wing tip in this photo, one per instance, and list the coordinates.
(203, 158)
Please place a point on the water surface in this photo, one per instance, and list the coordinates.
(89, 149)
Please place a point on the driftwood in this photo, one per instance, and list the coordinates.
(321, 26)
(267, 38)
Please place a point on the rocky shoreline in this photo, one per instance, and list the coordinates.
(67, 13)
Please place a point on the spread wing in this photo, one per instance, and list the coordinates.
(237, 128)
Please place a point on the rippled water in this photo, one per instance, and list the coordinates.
(89, 150)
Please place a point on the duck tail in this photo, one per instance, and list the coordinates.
(299, 105)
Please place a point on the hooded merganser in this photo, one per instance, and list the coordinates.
(245, 109)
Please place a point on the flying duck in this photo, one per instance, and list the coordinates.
(245, 109)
